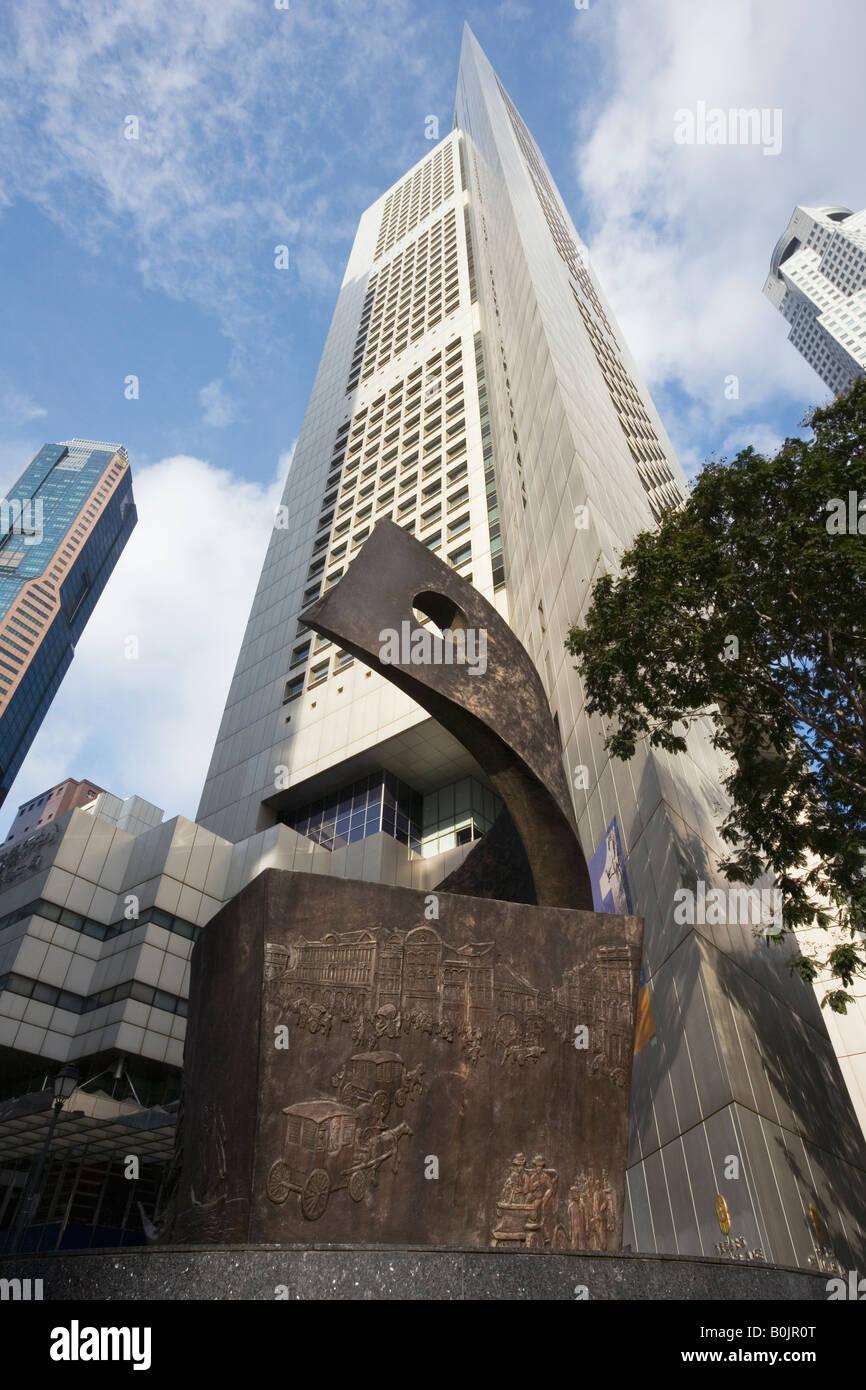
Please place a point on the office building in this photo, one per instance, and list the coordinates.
(62, 529)
(817, 281)
(39, 810)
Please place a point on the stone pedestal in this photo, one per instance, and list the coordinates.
(371, 1065)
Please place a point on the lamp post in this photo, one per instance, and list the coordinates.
(65, 1082)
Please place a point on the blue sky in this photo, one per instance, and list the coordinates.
(260, 126)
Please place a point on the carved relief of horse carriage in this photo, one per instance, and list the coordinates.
(377, 1079)
(328, 1148)
(335, 1144)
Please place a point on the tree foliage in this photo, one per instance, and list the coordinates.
(747, 606)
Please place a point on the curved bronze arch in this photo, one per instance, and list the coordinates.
(500, 715)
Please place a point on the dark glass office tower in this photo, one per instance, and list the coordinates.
(62, 528)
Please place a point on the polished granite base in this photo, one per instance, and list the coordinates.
(268, 1272)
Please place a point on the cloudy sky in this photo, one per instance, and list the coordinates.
(260, 126)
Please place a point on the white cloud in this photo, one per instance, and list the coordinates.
(512, 11)
(681, 236)
(219, 409)
(183, 587)
(17, 407)
(764, 440)
(231, 101)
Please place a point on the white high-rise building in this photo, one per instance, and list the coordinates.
(817, 280)
(475, 389)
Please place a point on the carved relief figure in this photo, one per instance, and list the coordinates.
(331, 1145)
(580, 1214)
(526, 1213)
(214, 1165)
(27, 856)
(388, 984)
(526, 1210)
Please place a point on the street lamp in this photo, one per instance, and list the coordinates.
(65, 1082)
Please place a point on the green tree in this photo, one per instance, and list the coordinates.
(747, 607)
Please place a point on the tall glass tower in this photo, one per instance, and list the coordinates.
(475, 389)
(62, 528)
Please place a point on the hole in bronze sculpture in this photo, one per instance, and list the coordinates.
(441, 610)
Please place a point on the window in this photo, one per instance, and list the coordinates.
(300, 653)
(461, 555)
(293, 689)
(73, 602)
(319, 673)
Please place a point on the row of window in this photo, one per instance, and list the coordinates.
(407, 298)
(497, 560)
(421, 422)
(76, 921)
(416, 197)
(319, 671)
(485, 427)
(377, 804)
(87, 1003)
(640, 435)
(406, 422)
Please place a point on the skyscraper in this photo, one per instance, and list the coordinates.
(61, 531)
(476, 389)
(817, 281)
